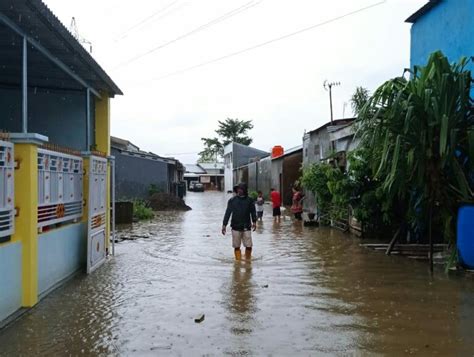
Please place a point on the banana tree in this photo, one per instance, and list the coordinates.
(420, 133)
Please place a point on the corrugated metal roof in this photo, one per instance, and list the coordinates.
(336, 122)
(212, 165)
(122, 144)
(289, 152)
(195, 169)
(423, 11)
(39, 23)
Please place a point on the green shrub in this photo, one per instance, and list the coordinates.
(314, 179)
(253, 195)
(154, 189)
(142, 211)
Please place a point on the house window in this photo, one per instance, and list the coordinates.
(317, 150)
(306, 152)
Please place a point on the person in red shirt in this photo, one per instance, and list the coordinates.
(276, 203)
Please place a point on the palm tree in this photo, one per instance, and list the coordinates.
(420, 133)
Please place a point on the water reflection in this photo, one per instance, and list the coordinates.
(241, 299)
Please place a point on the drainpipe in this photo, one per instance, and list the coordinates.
(24, 83)
(88, 119)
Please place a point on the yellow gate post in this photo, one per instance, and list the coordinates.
(102, 139)
(26, 231)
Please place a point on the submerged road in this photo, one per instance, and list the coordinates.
(307, 292)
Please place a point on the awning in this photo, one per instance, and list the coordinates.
(48, 41)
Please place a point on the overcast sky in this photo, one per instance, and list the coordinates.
(279, 86)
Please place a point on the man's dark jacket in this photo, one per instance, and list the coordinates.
(242, 210)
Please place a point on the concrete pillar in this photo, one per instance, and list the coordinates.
(102, 141)
(26, 224)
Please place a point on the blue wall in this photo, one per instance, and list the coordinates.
(448, 27)
(10, 279)
(61, 252)
(59, 114)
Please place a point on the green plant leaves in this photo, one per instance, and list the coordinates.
(419, 136)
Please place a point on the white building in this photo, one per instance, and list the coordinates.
(235, 156)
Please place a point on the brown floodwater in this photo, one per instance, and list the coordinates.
(307, 292)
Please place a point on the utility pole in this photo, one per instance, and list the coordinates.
(328, 86)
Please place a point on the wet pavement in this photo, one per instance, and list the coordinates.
(307, 291)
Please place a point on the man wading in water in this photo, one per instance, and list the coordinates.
(244, 220)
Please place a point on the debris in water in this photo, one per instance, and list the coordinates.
(265, 286)
(167, 202)
(199, 318)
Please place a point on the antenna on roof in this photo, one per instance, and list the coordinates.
(75, 32)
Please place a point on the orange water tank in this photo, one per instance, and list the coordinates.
(277, 151)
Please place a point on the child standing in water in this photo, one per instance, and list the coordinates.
(244, 220)
(259, 206)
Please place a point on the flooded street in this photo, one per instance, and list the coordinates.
(308, 291)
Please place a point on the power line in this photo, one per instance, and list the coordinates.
(270, 41)
(213, 22)
(146, 19)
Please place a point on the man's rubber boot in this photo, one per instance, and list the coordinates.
(248, 254)
(238, 254)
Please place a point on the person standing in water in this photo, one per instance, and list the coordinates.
(276, 203)
(244, 219)
(297, 206)
(260, 206)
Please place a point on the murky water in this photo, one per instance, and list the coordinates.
(308, 291)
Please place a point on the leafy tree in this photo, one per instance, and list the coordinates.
(340, 187)
(419, 134)
(212, 150)
(359, 99)
(235, 130)
(315, 180)
(368, 202)
(230, 130)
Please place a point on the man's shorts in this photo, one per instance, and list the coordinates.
(276, 211)
(242, 237)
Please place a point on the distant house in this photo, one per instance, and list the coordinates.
(318, 143)
(137, 171)
(235, 156)
(445, 25)
(286, 170)
(328, 143)
(260, 175)
(213, 179)
(210, 174)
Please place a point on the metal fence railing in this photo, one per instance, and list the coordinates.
(60, 187)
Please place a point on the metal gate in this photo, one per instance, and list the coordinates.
(97, 213)
(7, 207)
(60, 188)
